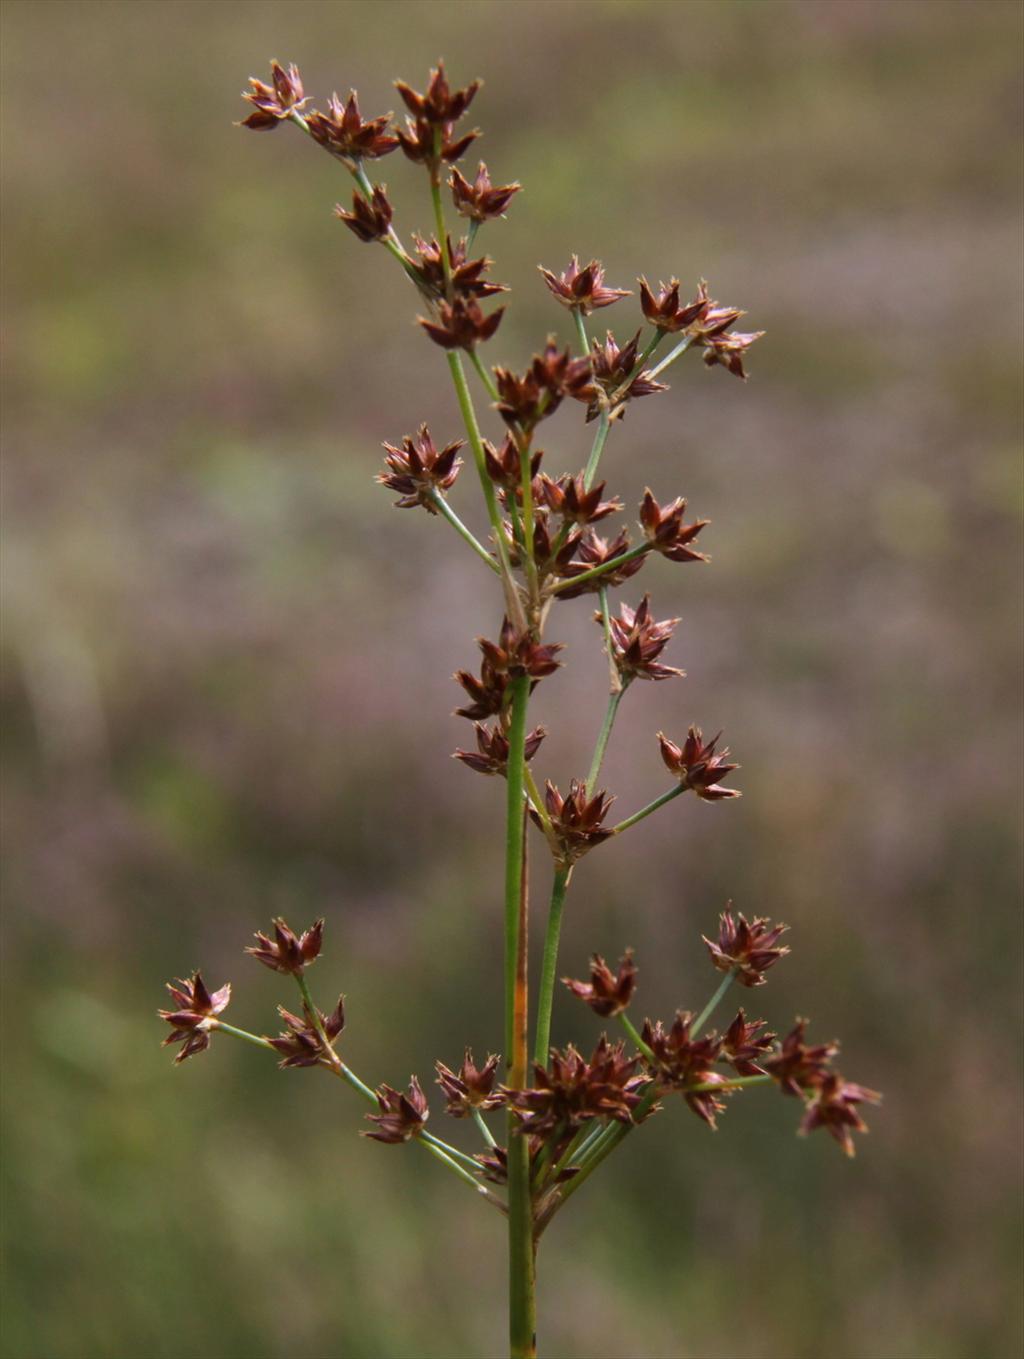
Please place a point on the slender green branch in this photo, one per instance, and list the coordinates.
(441, 503)
(634, 1036)
(439, 226)
(485, 1131)
(474, 227)
(600, 438)
(313, 1015)
(711, 1006)
(601, 570)
(602, 741)
(549, 967)
(221, 1027)
(651, 807)
(449, 1150)
(582, 1134)
(464, 1175)
(581, 331)
(672, 355)
(483, 375)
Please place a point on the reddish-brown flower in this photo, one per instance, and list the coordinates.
(505, 468)
(748, 949)
(800, 1066)
(577, 820)
(744, 1045)
(552, 552)
(728, 350)
(301, 1045)
(665, 311)
(582, 288)
(194, 1014)
(614, 374)
(596, 551)
(276, 102)
(472, 1088)
(638, 640)
(571, 1091)
(480, 200)
(402, 1115)
(516, 653)
(491, 754)
(569, 497)
(439, 104)
(344, 133)
(681, 1062)
(833, 1107)
(486, 694)
(466, 274)
(418, 471)
(370, 220)
(697, 766)
(287, 952)
(607, 993)
(461, 324)
(552, 375)
(667, 533)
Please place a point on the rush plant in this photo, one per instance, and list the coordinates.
(547, 1117)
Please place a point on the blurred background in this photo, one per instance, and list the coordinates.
(227, 660)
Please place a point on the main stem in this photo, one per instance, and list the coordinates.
(521, 1263)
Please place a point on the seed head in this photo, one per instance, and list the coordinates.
(833, 1107)
(697, 766)
(596, 551)
(577, 820)
(300, 1044)
(569, 497)
(370, 220)
(607, 993)
(466, 274)
(571, 1091)
(491, 754)
(401, 1115)
(744, 1045)
(799, 1066)
(461, 324)
(194, 1014)
(472, 1088)
(418, 471)
(343, 132)
(480, 200)
(667, 533)
(638, 640)
(681, 1062)
(582, 289)
(747, 948)
(665, 311)
(276, 102)
(287, 952)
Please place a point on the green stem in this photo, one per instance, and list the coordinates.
(603, 1146)
(526, 485)
(441, 504)
(449, 1150)
(456, 1169)
(581, 331)
(582, 1135)
(651, 807)
(546, 994)
(313, 1015)
(439, 226)
(600, 438)
(672, 355)
(485, 1131)
(634, 1036)
(602, 741)
(521, 1260)
(219, 1026)
(484, 375)
(603, 569)
(474, 227)
(711, 1006)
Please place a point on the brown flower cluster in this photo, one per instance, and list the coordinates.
(194, 1014)
(472, 1087)
(638, 640)
(402, 1113)
(607, 993)
(697, 765)
(419, 471)
(300, 1044)
(582, 289)
(577, 819)
(287, 952)
(571, 1091)
(746, 948)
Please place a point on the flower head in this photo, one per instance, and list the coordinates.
(577, 819)
(344, 133)
(834, 1107)
(800, 1066)
(276, 102)
(747, 948)
(516, 653)
(491, 754)
(472, 1088)
(607, 993)
(419, 471)
(571, 1091)
(596, 551)
(570, 498)
(667, 533)
(697, 766)
(616, 375)
(480, 200)
(461, 324)
(287, 952)
(369, 219)
(194, 1014)
(401, 1116)
(467, 276)
(681, 1062)
(665, 311)
(429, 134)
(638, 640)
(582, 289)
(744, 1045)
(301, 1045)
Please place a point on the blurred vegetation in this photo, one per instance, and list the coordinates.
(226, 672)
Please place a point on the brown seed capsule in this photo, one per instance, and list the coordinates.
(440, 104)
(744, 1045)
(491, 754)
(370, 221)
(343, 132)
(577, 820)
(569, 497)
(466, 275)
(472, 1088)
(486, 694)
(480, 200)
(571, 1091)
(748, 949)
(615, 374)
(680, 1062)
(276, 102)
(728, 350)
(799, 1066)
(194, 1014)
(596, 551)
(667, 533)
(665, 312)
(401, 1115)
(287, 952)
(418, 471)
(461, 324)
(833, 1107)
(607, 993)
(301, 1045)
(516, 654)
(582, 289)
(638, 640)
(697, 766)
